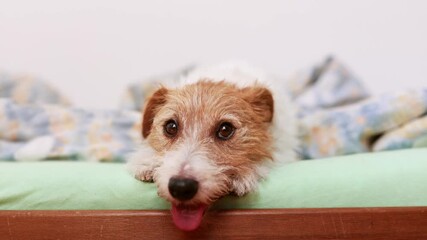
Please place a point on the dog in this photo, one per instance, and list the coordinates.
(217, 131)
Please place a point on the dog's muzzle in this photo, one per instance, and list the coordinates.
(183, 188)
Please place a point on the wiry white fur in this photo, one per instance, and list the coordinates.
(189, 159)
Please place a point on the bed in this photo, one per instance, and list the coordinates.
(362, 196)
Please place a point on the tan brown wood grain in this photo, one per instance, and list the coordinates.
(336, 223)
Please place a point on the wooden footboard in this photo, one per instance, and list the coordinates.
(336, 223)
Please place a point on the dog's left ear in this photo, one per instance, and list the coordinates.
(261, 100)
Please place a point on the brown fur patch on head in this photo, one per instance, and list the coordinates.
(151, 108)
(200, 108)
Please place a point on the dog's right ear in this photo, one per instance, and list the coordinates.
(261, 100)
(151, 108)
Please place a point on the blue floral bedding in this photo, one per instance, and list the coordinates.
(337, 116)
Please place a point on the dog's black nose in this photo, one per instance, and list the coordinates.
(183, 188)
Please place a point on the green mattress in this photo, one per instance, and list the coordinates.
(395, 178)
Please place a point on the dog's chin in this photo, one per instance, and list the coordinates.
(188, 217)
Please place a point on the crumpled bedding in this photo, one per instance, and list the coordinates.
(338, 116)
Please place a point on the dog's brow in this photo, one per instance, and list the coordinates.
(231, 118)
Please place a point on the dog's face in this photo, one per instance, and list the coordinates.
(208, 139)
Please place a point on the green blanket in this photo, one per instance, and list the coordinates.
(395, 178)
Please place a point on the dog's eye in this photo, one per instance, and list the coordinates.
(171, 128)
(225, 131)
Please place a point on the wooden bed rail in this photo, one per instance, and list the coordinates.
(325, 223)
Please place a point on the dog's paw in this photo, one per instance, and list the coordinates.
(144, 174)
(143, 171)
(142, 165)
(242, 186)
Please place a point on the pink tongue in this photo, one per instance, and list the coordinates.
(187, 218)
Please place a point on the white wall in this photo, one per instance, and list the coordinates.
(91, 49)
